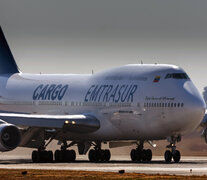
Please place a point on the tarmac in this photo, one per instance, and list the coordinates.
(187, 166)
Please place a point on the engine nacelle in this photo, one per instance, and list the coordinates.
(10, 136)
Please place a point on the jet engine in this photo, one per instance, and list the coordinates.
(10, 136)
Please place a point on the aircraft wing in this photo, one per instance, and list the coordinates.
(72, 123)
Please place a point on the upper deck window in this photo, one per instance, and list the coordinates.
(177, 76)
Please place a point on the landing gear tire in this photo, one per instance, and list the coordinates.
(176, 156)
(168, 156)
(57, 156)
(102, 155)
(50, 156)
(107, 155)
(138, 155)
(65, 155)
(148, 155)
(133, 155)
(91, 155)
(141, 155)
(94, 155)
(72, 155)
(42, 156)
(35, 157)
(99, 155)
(144, 155)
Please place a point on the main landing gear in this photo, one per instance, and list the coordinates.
(139, 154)
(42, 156)
(63, 155)
(99, 155)
(173, 154)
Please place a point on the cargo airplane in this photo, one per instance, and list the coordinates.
(132, 104)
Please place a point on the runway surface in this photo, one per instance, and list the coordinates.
(187, 166)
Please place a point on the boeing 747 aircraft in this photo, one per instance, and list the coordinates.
(132, 104)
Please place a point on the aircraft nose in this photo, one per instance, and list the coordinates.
(195, 100)
(195, 105)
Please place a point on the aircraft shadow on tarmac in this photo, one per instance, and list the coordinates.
(130, 162)
(28, 161)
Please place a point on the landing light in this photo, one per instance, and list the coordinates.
(154, 145)
(73, 122)
(66, 122)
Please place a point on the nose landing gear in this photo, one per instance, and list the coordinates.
(173, 154)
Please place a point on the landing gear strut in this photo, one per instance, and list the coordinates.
(139, 154)
(173, 154)
(99, 155)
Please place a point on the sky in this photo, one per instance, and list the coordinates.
(78, 36)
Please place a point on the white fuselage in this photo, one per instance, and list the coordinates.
(131, 102)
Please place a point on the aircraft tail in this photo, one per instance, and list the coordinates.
(7, 62)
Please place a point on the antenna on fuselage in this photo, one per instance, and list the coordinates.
(141, 62)
(92, 71)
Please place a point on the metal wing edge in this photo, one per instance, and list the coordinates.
(73, 123)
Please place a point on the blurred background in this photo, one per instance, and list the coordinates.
(78, 36)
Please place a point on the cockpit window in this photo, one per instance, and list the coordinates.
(177, 76)
(168, 76)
